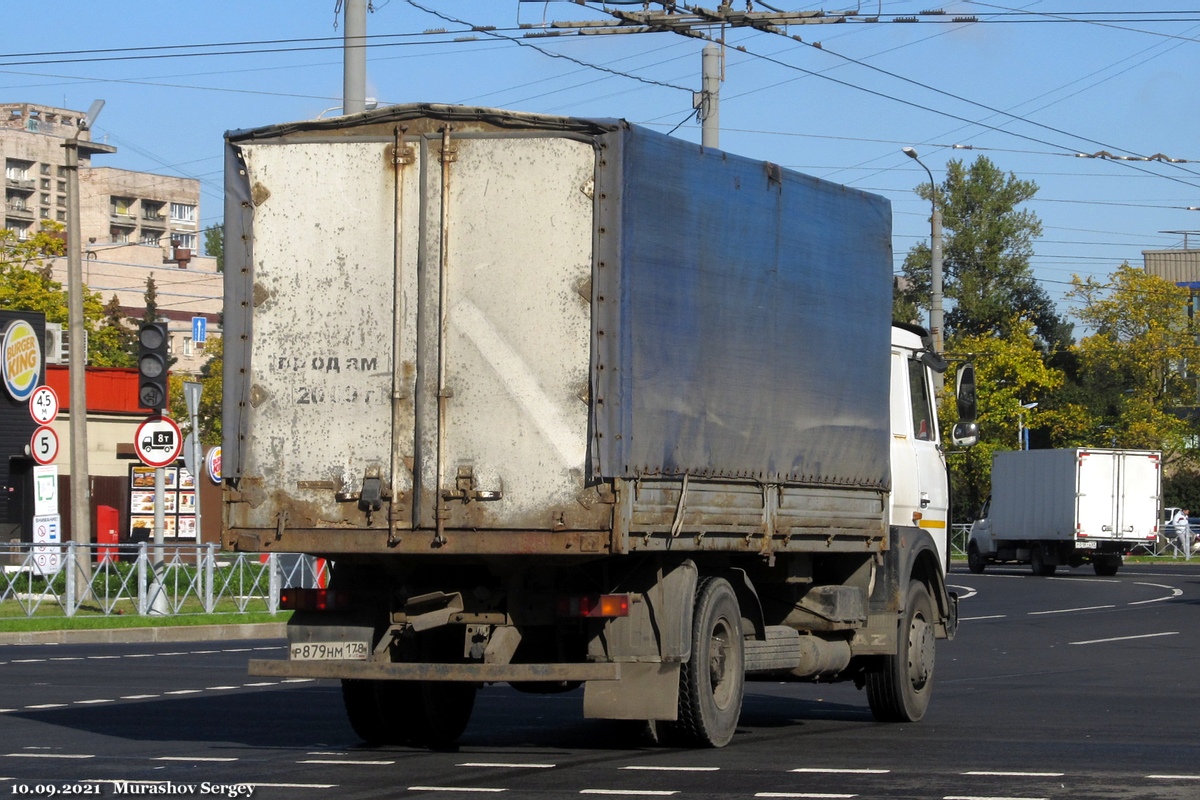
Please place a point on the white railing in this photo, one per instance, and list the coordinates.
(146, 580)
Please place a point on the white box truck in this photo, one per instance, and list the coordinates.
(1067, 507)
(570, 402)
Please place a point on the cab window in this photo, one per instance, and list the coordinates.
(922, 411)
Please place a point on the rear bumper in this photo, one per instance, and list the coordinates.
(471, 673)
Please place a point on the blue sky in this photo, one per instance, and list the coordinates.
(1029, 85)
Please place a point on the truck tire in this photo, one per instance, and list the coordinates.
(975, 561)
(1037, 562)
(424, 713)
(898, 686)
(1106, 566)
(711, 683)
(364, 711)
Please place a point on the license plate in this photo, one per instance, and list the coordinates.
(1082, 545)
(329, 651)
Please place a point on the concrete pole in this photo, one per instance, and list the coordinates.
(354, 50)
(81, 495)
(936, 317)
(710, 96)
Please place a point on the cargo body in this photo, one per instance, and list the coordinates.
(1068, 507)
(563, 400)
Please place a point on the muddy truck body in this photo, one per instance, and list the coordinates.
(569, 402)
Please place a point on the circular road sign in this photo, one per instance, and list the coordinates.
(158, 441)
(44, 445)
(43, 405)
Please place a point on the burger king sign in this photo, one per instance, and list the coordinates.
(21, 360)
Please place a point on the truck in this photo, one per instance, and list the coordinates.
(1070, 507)
(568, 402)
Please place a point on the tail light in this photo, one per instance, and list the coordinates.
(313, 600)
(596, 606)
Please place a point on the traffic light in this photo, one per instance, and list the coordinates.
(152, 365)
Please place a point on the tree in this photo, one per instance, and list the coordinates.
(986, 250)
(151, 298)
(210, 378)
(113, 343)
(1137, 366)
(1013, 371)
(214, 244)
(26, 283)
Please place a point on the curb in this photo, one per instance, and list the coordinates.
(175, 633)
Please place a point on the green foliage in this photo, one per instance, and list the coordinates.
(214, 244)
(210, 379)
(987, 244)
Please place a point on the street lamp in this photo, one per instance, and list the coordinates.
(1022, 430)
(935, 250)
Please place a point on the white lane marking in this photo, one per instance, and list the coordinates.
(648, 768)
(975, 619)
(816, 795)
(1128, 638)
(6, 710)
(970, 592)
(497, 764)
(66, 658)
(1069, 610)
(832, 771)
(220, 688)
(184, 691)
(28, 660)
(195, 758)
(261, 683)
(139, 696)
(140, 655)
(454, 789)
(174, 654)
(204, 652)
(1174, 777)
(631, 792)
(237, 650)
(299, 680)
(1015, 774)
(48, 755)
(92, 702)
(347, 762)
(48, 705)
(102, 658)
(1174, 593)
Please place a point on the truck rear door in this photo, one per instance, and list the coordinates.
(1097, 495)
(1140, 487)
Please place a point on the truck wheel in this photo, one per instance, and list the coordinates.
(1106, 566)
(363, 710)
(898, 686)
(1037, 562)
(712, 682)
(975, 561)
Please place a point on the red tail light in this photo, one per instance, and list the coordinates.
(313, 600)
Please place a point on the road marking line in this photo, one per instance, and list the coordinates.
(237, 650)
(1069, 610)
(512, 766)
(140, 655)
(184, 691)
(1128, 638)
(194, 758)
(1174, 593)
(204, 652)
(100, 658)
(28, 660)
(299, 680)
(632, 792)
(219, 688)
(454, 789)
(48, 755)
(6, 710)
(262, 683)
(67, 658)
(814, 795)
(138, 696)
(1174, 777)
(648, 768)
(92, 702)
(347, 762)
(1016, 774)
(831, 771)
(974, 619)
(49, 705)
(174, 654)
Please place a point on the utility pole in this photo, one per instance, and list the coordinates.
(354, 54)
(81, 494)
(708, 100)
(936, 319)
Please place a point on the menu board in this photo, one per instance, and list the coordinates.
(179, 503)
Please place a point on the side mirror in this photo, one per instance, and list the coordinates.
(965, 434)
(965, 394)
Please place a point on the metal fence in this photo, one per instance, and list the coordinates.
(147, 580)
(1165, 546)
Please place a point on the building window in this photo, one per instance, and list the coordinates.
(182, 212)
(152, 210)
(62, 186)
(16, 170)
(119, 235)
(62, 201)
(45, 198)
(185, 240)
(122, 206)
(62, 216)
(187, 345)
(46, 184)
(45, 213)
(62, 172)
(150, 237)
(46, 169)
(22, 232)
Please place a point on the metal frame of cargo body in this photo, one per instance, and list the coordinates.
(655, 479)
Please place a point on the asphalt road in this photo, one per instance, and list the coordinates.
(1065, 687)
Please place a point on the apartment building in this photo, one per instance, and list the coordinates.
(132, 224)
